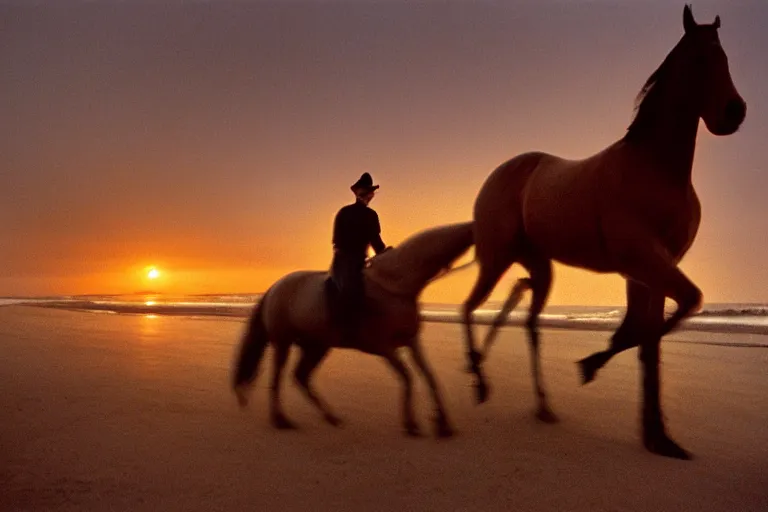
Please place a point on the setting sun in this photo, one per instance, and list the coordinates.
(153, 273)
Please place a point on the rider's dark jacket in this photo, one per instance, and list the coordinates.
(355, 227)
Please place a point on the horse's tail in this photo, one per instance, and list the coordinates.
(251, 351)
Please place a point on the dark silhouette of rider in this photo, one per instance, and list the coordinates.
(355, 228)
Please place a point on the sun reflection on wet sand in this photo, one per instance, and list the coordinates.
(149, 328)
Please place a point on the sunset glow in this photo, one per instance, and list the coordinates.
(251, 128)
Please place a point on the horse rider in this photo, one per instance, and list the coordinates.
(355, 228)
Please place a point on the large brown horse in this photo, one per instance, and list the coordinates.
(630, 209)
(296, 310)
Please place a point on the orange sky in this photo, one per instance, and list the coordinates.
(216, 142)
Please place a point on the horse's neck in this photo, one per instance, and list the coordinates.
(406, 270)
(669, 135)
(395, 277)
(673, 142)
(391, 287)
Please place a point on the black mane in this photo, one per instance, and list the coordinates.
(648, 98)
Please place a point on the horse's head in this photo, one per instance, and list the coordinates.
(720, 105)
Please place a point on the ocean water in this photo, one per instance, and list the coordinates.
(723, 318)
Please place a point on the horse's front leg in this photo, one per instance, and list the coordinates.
(654, 268)
(442, 425)
(629, 334)
(655, 438)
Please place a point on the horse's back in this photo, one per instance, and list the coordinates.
(552, 201)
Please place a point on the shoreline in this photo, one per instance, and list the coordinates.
(748, 336)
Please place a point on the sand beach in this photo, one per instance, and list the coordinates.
(133, 412)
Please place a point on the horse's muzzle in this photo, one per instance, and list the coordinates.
(734, 114)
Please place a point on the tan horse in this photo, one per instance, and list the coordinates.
(297, 308)
(630, 209)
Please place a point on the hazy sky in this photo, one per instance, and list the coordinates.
(216, 140)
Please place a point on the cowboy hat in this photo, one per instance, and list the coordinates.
(365, 183)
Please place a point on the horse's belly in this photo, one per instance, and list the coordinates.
(574, 247)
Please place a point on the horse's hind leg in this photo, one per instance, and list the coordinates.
(514, 298)
(411, 428)
(492, 267)
(541, 283)
(311, 357)
(282, 350)
(442, 425)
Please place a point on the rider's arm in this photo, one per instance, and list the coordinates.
(376, 242)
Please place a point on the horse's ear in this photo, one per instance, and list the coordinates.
(717, 21)
(688, 22)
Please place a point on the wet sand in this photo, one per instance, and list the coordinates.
(128, 412)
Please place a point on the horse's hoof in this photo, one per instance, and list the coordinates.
(242, 397)
(443, 430)
(661, 444)
(280, 422)
(333, 420)
(481, 391)
(547, 416)
(587, 369)
(412, 430)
